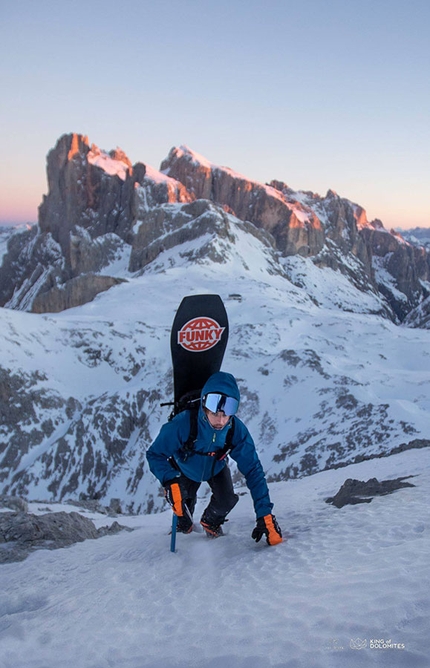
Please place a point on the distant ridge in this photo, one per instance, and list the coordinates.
(99, 205)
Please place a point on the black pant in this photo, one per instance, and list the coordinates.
(222, 500)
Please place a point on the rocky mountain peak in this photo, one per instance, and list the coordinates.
(295, 228)
(114, 163)
(75, 143)
(89, 190)
(100, 206)
(332, 194)
(118, 154)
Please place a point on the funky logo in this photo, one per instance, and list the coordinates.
(200, 334)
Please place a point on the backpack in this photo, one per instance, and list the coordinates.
(190, 402)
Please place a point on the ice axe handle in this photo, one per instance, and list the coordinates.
(173, 534)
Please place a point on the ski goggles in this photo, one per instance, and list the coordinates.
(220, 402)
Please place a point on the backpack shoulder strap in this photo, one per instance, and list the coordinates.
(188, 446)
(228, 446)
(192, 436)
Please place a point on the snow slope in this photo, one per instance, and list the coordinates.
(323, 377)
(348, 588)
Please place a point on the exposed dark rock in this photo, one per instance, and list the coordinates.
(158, 189)
(408, 266)
(346, 241)
(115, 507)
(22, 533)
(418, 236)
(22, 397)
(88, 189)
(345, 222)
(357, 491)
(296, 228)
(31, 258)
(94, 200)
(77, 291)
(93, 505)
(14, 503)
(99, 192)
(165, 227)
(92, 448)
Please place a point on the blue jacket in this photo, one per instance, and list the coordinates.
(200, 467)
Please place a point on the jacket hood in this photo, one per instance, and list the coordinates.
(222, 383)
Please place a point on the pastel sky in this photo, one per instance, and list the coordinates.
(316, 93)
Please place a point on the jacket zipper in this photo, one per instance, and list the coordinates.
(209, 460)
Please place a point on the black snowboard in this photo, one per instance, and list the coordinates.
(198, 341)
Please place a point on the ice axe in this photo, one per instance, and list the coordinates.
(173, 534)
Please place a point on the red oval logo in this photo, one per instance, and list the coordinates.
(200, 334)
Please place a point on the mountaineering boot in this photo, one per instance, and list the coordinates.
(212, 527)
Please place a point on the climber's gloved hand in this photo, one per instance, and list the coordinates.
(173, 494)
(267, 526)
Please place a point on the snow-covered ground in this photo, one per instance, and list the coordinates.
(349, 587)
(323, 377)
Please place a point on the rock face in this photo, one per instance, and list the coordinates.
(75, 292)
(419, 316)
(22, 397)
(94, 200)
(100, 207)
(22, 533)
(332, 230)
(92, 442)
(406, 264)
(295, 228)
(14, 503)
(357, 491)
(165, 227)
(29, 260)
(84, 194)
(417, 236)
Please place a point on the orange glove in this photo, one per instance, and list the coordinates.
(173, 494)
(269, 527)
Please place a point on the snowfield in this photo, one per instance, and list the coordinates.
(324, 378)
(349, 587)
